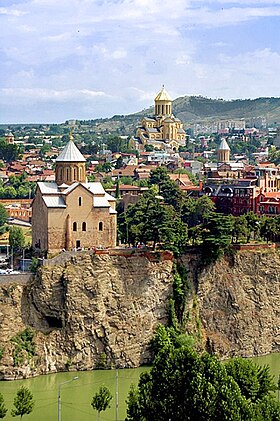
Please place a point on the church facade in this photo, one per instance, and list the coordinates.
(72, 213)
(163, 131)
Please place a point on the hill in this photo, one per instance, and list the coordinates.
(198, 109)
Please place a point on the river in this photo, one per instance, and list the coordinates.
(77, 394)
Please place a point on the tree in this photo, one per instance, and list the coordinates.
(3, 409)
(101, 400)
(23, 403)
(149, 220)
(197, 211)
(119, 162)
(217, 236)
(3, 215)
(16, 238)
(184, 385)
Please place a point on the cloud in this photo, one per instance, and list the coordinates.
(112, 56)
(41, 95)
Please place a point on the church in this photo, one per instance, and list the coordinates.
(72, 213)
(163, 131)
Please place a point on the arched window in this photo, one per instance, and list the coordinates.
(84, 226)
(67, 174)
(100, 226)
(80, 201)
(74, 226)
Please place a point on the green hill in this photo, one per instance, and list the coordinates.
(198, 109)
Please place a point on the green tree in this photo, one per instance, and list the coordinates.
(197, 211)
(119, 162)
(16, 238)
(240, 228)
(3, 215)
(23, 403)
(184, 385)
(101, 400)
(3, 409)
(217, 236)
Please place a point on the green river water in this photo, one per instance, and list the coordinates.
(76, 395)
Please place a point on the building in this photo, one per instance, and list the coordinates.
(71, 213)
(268, 203)
(163, 131)
(235, 197)
(224, 168)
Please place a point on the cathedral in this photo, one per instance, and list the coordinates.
(163, 131)
(72, 213)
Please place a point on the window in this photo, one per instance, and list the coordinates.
(80, 201)
(74, 226)
(84, 226)
(100, 226)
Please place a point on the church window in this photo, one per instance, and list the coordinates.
(84, 226)
(80, 201)
(74, 226)
(100, 226)
(67, 174)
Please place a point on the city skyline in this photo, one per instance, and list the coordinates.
(89, 59)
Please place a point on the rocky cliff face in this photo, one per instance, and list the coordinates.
(237, 300)
(91, 311)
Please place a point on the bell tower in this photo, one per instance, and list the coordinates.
(163, 104)
(70, 165)
(223, 151)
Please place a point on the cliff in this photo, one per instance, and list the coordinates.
(237, 300)
(92, 311)
(89, 311)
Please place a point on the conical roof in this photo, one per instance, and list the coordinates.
(70, 153)
(163, 95)
(224, 146)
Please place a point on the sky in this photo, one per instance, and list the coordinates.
(87, 59)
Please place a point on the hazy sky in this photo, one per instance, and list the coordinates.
(63, 59)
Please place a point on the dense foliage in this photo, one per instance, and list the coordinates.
(184, 385)
(17, 187)
(9, 152)
(166, 217)
(3, 409)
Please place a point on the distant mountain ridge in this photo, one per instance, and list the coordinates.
(198, 109)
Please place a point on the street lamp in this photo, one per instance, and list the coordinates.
(59, 398)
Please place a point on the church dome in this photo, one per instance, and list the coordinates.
(163, 95)
(70, 154)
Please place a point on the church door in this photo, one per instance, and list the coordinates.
(78, 244)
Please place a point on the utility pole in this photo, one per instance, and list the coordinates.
(59, 397)
(117, 394)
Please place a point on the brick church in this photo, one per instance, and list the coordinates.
(71, 212)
